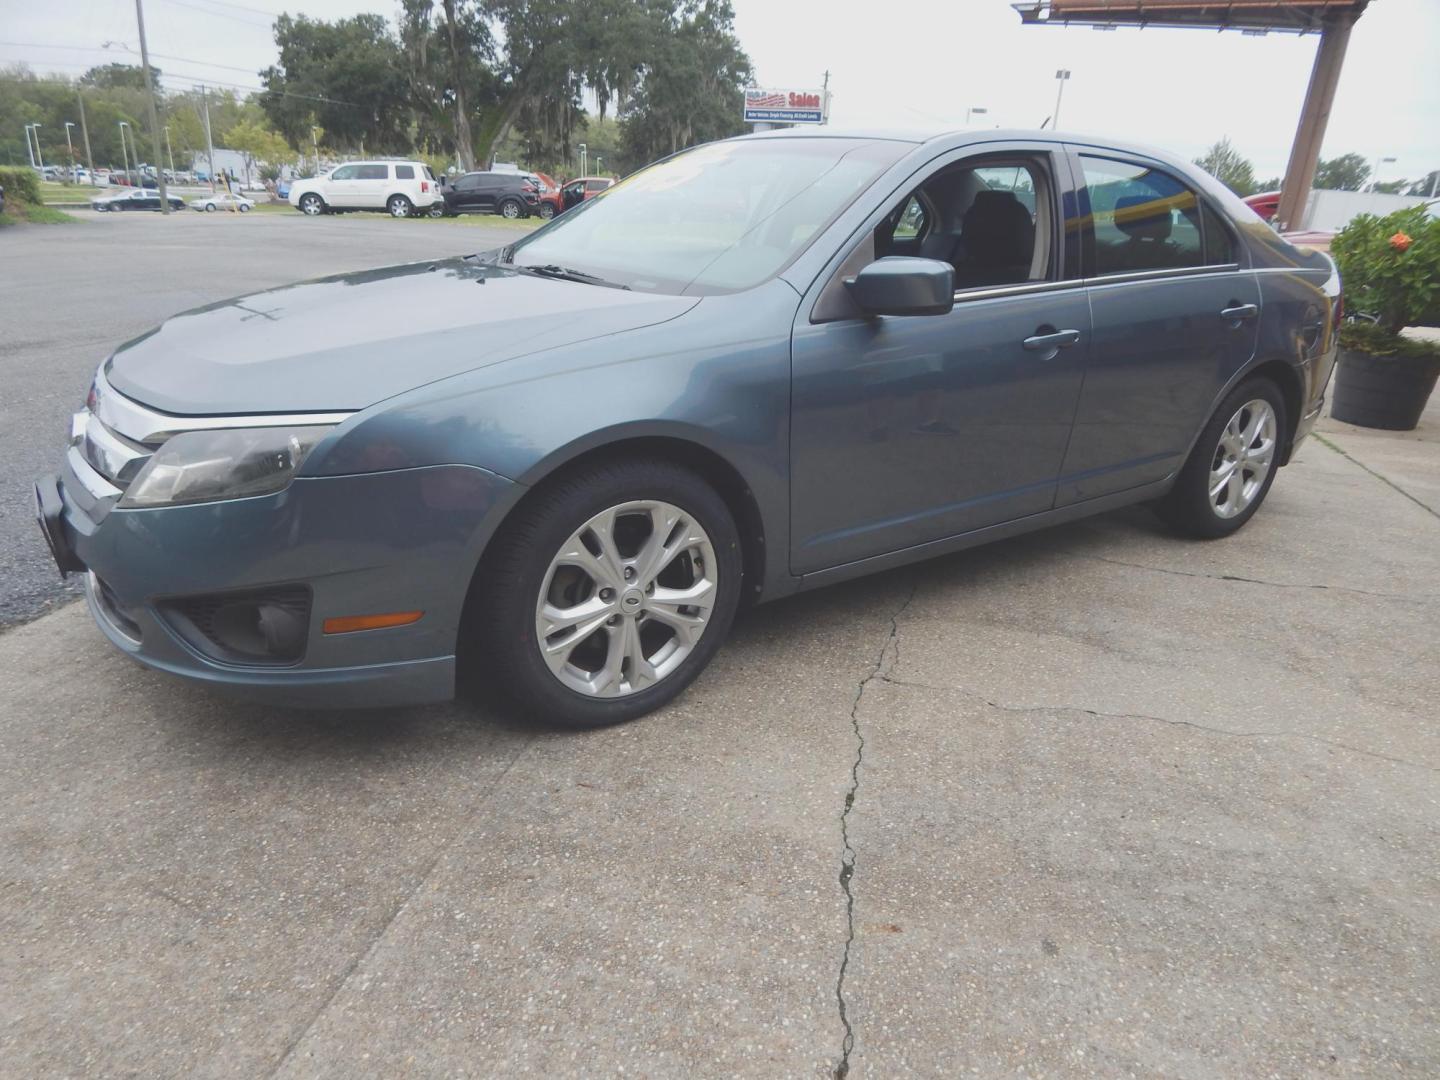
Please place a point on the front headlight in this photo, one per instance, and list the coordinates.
(229, 463)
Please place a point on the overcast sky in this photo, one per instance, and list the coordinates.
(916, 64)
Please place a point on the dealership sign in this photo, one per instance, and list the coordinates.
(784, 106)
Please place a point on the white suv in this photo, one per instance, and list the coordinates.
(404, 188)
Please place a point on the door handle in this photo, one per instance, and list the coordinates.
(1239, 311)
(1050, 341)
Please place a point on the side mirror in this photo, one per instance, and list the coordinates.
(902, 285)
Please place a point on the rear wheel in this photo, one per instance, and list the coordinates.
(1229, 473)
(399, 206)
(312, 205)
(607, 593)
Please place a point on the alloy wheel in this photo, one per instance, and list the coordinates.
(399, 207)
(1243, 458)
(626, 598)
(311, 205)
(510, 210)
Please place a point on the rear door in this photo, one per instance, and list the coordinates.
(372, 186)
(1175, 316)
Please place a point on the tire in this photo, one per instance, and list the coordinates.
(525, 568)
(399, 206)
(312, 205)
(209, 208)
(511, 210)
(546, 211)
(244, 209)
(437, 210)
(1226, 454)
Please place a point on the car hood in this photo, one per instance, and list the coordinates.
(346, 342)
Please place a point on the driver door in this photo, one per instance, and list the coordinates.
(913, 429)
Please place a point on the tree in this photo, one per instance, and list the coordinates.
(1428, 185)
(1226, 164)
(258, 143)
(1348, 172)
(347, 76)
(692, 87)
(1391, 187)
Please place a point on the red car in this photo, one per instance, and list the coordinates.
(581, 188)
(549, 194)
(1264, 203)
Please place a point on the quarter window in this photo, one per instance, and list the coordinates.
(404, 172)
(1140, 219)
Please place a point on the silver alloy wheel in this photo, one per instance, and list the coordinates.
(547, 211)
(510, 210)
(311, 204)
(1243, 459)
(399, 206)
(626, 598)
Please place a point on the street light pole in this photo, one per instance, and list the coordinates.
(85, 134)
(315, 142)
(1062, 77)
(169, 153)
(583, 161)
(1375, 173)
(154, 114)
(70, 146)
(209, 142)
(124, 155)
(978, 110)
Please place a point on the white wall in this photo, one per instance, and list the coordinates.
(1332, 210)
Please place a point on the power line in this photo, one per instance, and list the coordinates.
(196, 80)
(101, 48)
(221, 14)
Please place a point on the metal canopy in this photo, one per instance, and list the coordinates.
(1282, 16)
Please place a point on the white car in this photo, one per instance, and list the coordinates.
(221, 201)
(403, 188)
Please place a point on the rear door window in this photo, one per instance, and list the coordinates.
(1140, 218)
(404, 172)
(372, 172)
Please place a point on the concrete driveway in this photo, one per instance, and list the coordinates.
(1092, 802)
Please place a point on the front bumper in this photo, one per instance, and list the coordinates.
(379, 542)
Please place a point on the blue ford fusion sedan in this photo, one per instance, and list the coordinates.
(759, 366)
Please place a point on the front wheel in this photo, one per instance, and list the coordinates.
(1229, 473)
(607, 593)
(547, 211)
(510, 209)
(244, 208)
(437, 210)
(399, 206)
(312, 205)
(209, 208)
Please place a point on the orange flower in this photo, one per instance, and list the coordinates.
(1400, 241)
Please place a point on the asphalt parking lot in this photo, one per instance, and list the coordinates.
(1091, 802)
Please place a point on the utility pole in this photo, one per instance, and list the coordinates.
(154, 114)
(209, 142)
(85, 134)
(315, 142)
(1062, 77)
(70, 148)
(168, 152)
(124, 154)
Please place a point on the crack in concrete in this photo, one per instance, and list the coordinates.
(1378, 476)
(1097, 714)
(847, 853)
(1414, 599)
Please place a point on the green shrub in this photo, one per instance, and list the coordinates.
(1390, 266)
(1375, 340)
(22, 183)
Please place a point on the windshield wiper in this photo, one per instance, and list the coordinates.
(566, 273)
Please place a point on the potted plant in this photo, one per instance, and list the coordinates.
(1390, 267)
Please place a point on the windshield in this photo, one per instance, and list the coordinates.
(719, 218)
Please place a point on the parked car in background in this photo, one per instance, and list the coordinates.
(102, 177)
(581, 188)
(548, 194)
(135, 199)
(222, 201)
(1265, 203)
(509, 194)
(282, 188)
(401, 188)
(564, 483)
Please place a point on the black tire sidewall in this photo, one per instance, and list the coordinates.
(400, 200)
(1188, 507)
(507, 595)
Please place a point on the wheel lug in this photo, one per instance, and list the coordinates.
(629, 573)
(614, 620)
(607, 595)
(649, 589)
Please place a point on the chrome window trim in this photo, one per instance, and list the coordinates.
(1147, 275)
(990, 292)
(151, 427)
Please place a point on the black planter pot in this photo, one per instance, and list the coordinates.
(1387, 392)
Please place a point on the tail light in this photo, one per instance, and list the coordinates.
(424, 186)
